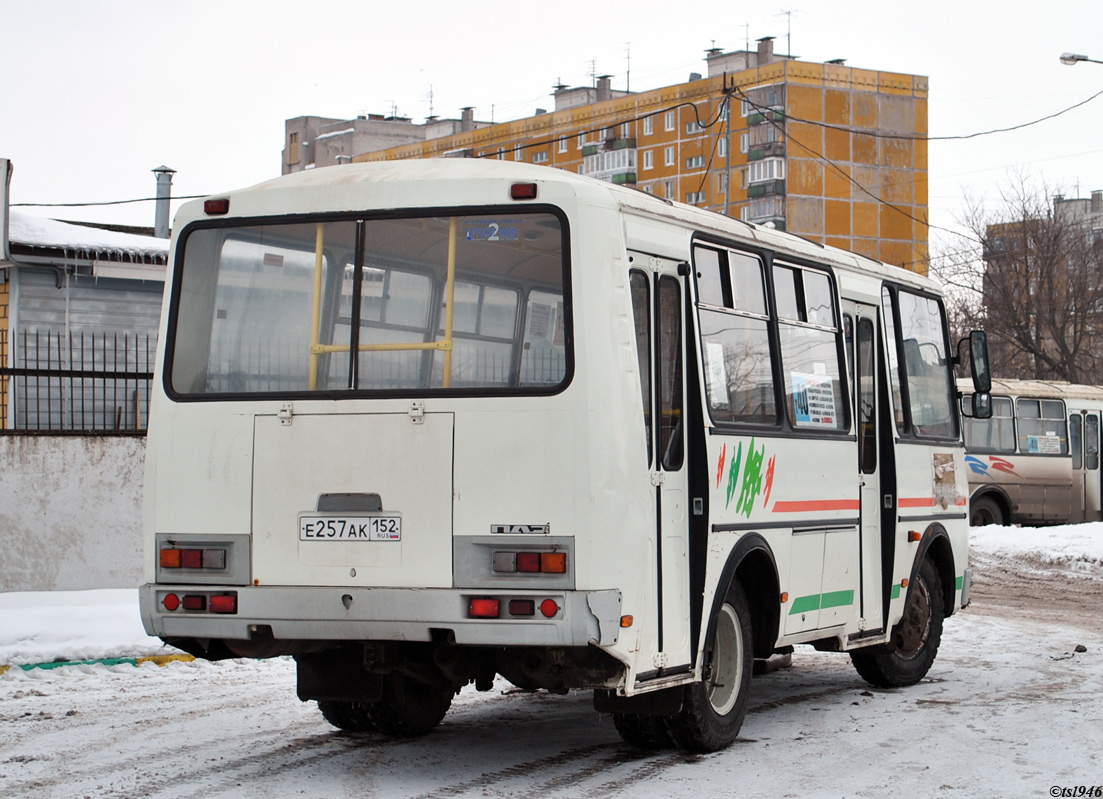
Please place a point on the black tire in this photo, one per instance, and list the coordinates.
(984, 511)
(907, 658)
(347, 716)
(409, 708)
(642, 732)
(713, 709)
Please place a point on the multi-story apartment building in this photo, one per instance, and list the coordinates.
(830, 152)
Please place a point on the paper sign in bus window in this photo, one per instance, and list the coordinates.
(1044, 445)
(813, 400)
(717, 375)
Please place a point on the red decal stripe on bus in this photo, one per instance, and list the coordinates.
(801, 506)
(916, 502)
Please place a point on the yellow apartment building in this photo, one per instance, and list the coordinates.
(832, 153)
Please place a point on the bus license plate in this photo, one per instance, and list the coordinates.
(350, 528)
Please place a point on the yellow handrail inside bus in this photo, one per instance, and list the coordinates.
(314, 328)
(445, 345)
(450, 293)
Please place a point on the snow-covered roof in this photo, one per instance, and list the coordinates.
(33, 231)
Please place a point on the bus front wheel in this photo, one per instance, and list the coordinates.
(713, 709)
(907, 657)
(984, 511)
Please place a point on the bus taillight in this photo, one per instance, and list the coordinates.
(484, 608)
(530, 562)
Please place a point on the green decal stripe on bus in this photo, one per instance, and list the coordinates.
(896, 591)
(834, 599)
(960, 582)
(805, 603)
(837, 599)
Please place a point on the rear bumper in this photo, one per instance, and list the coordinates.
(385, 614)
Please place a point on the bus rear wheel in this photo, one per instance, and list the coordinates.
(907, 657)
(409, 708)
(347, 716)
(642, 732)
(984, 511)
(713, 709)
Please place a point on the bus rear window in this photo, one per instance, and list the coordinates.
(362, 305)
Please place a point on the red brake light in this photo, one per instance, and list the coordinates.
(224, 603)
(522, 607)
(528, 561)
(195, 602)
(217, 207)
(191, 558)
(523, 191)
(549, 607)
(484, 608)
(171, 601)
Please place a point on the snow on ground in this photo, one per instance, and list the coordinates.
(1010, 708)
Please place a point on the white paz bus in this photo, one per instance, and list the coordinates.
(421, 423)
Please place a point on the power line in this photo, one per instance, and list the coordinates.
(110, 202)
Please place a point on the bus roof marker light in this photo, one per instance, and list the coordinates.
(523, 191)
(217, 207)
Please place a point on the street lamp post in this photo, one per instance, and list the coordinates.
(1072, 58)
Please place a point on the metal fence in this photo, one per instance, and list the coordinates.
(75, 381)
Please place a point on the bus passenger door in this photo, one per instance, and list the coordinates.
(1093, 487)
(1078, 507)
(662, 288)
(875, 458)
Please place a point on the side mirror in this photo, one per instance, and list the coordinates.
(982, 374)
(982, 405)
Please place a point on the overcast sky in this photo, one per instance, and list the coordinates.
(98, 94)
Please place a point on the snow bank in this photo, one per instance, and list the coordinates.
(1076, 549)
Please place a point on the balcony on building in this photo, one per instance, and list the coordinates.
(612, 160)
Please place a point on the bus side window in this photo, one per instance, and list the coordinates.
(1091, 442)
(1074, 442)
(641, 312)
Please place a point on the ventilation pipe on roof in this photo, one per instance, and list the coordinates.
(5, 185)
(467, 120)
(164, 196)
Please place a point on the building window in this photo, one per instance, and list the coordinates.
(669, 156)
(695, 198)
(501, 153)
(722, 148)
(540, 157)
(668, 189)
(767, 169)
(649, 189)
(744, 142)
(745, 107)
(563, 145)
(670, 120)
(648, 126)
(694, 127)
(696, 162)
(626, 130)
(519, 154)
(725, 108)
(581, 140)
(648, 159)
(722, 183)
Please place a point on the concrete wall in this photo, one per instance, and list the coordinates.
(70, 512)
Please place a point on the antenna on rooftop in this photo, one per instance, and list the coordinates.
(788, 14)
(628, 66)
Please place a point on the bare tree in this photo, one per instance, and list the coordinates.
(1032, 278)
